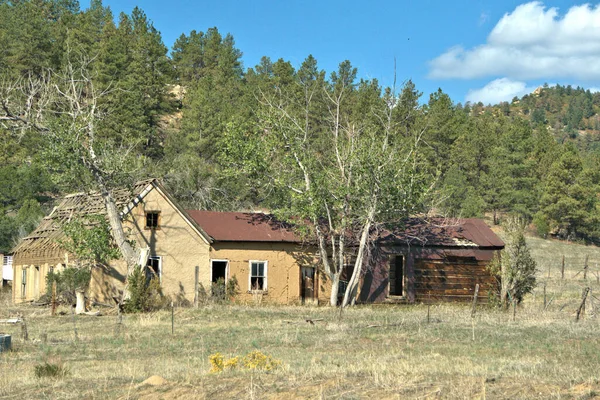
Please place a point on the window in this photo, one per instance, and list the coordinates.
(258, 275)
(24, 283)
(154, 268)
(152, 219)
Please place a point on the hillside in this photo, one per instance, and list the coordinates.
(214, 145)
(571, 114)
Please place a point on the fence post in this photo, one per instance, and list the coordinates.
(473, 310)
(581, 309)
(53, 298)
(545, 295)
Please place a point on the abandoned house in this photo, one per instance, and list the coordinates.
(270, 262)
(436, 260)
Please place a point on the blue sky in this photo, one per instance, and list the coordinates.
(477, 50)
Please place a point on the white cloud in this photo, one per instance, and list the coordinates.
(498, 90)
(531, 42)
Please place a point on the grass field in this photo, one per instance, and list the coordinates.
(366, 352)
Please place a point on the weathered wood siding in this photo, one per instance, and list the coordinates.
(430, 274)
(451, 280)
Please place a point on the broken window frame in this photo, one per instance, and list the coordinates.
(263, 276)
(150, 268)
(152, 220)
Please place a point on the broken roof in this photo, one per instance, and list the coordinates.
(459, 232)
(244, 227)
(48, 234)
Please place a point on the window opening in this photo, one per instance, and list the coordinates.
(258, 275)
(152, 219)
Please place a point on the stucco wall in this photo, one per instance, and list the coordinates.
(283, 269)
(180, 247)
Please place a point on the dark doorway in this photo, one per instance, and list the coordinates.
(307, 284)
(397, 275)
(219, 271)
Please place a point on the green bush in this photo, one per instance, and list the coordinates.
(222, 292)
(145, 294)
(68, 281)
(50, 370)
(514, 266)
(542, 228)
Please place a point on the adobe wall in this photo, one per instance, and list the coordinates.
(180, 247)
(283, 269)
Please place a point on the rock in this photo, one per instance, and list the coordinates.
(155, 380)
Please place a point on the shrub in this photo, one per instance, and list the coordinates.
(145, 294)
(216, 363)
(233, 288)
(259, 360)
(222, 292)
(514, 266)
(255, 360)
(218, 291)
(542, 228)
(50, 370)
(68, 281)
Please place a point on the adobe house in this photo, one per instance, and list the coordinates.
(436, 260)
(152, 219)
(270, 262)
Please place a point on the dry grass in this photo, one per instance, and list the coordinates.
(371, 351)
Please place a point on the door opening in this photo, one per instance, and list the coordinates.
(308, 283)
(218, 271)
(397, 275)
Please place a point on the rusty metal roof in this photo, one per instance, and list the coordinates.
(459, 232)
(244, 227)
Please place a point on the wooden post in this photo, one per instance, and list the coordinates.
(475, 301)
(562, 268)
(544, 295)
(581, 309)
(514, 309)
(196, 283)
(53, 298)
(74, 324)
(24, 333)
(585, 268)
(428, 307)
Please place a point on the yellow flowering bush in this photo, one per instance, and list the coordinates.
(255, 360)
(258, 360)
(216, 362)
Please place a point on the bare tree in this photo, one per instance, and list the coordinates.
(352, 171)
(64, 109)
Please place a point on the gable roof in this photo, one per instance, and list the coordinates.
(244, 227)
(48, 234)
(440, 232)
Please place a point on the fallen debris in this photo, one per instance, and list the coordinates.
(11, 321)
